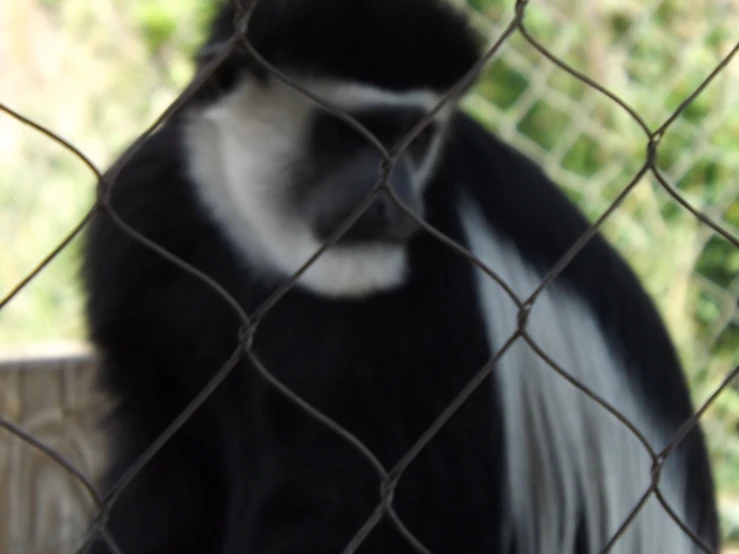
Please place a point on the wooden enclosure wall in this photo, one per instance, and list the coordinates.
(43, 510)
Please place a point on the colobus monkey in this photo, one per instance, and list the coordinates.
(385, 329)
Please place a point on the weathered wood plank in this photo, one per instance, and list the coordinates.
(44, 510)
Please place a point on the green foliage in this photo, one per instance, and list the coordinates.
(543, 124)
(172, 24)
(503, 96)
(585, 157)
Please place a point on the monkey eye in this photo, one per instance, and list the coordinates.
(422, 140)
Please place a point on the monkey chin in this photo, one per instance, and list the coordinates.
(357, 271)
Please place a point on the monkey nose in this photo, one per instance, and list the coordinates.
(386, 220)
(383, 220)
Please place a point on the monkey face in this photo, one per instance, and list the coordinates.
(282, 175)
(344, 168)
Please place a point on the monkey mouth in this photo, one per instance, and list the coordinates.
(382, 222)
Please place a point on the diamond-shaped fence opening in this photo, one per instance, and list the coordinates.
(629, 106)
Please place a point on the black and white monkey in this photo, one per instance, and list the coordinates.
(385, 329)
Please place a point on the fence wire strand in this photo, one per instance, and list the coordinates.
(388, 478)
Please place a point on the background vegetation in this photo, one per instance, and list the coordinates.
(99, 72)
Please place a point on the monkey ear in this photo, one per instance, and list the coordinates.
(208, 52)
(237, 65)
(221, 32)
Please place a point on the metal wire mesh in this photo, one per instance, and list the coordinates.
(388, 478)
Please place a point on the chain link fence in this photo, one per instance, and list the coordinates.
(549, 88)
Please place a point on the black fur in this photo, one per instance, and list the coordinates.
(383, 367)
(250, 469)
(250, 472)
(394, 44)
